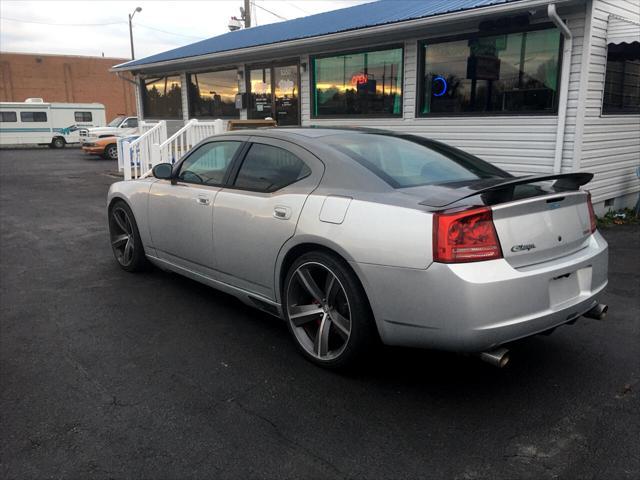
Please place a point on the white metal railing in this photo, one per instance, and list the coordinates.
(174, 147)
(135, 154)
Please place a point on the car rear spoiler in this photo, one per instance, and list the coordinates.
(500, 189)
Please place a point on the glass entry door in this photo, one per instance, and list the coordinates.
(286, 94)
(275, 92)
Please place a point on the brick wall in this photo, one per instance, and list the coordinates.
(61, 78)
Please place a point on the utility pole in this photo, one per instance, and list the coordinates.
(247, 13)
(138, 9)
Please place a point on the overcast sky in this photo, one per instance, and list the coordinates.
(101, 27)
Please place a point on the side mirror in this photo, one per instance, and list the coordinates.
(163, 171)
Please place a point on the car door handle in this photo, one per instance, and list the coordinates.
(282, 212)
(203, 200)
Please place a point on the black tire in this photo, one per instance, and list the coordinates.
(363, 334)
(122, 224)
(58, 142)
(111, 152)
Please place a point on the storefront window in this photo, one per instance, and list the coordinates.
(622, 80)
(512, 72)
(368, 83)
(213, 94)
(162, 97)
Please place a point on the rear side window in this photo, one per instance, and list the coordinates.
(8, 117)
(407, 161)
(33, 116)
(83, 117)
(267, 169)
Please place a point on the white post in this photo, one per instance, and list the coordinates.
(156, 156)
(218, 126)
(126, 159)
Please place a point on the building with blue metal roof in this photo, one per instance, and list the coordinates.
(533, 86)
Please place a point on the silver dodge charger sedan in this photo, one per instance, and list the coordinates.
(356, 236)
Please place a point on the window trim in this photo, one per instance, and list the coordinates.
(619, 114)
(481, 34)
(377, 48)
(46, 117)
(143, 96)
(15, 117)
(75, 113)
(225, 179)
(236, 169)
(188, 76)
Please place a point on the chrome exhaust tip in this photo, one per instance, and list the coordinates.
(498, 357)
(599, 312)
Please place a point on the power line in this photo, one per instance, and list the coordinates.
(63, 24)
(269, 11)
(166, 31)
(298, 8)
(98, 25)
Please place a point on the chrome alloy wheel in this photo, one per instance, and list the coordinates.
(318, 311)
(122, 234)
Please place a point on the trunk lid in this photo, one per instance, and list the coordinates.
(535, 220)
(543, 228)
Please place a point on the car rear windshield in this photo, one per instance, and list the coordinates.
(410, 161)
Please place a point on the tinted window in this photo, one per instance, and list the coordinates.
(162, 97)
(209, 163)
(622, 80)
(8, 117)
(33, 116)
(213, 94)
(83, 116)
(267, 169)
(411, 161)
(368, 83)
(515, 72)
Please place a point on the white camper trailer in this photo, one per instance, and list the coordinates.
(35, 121)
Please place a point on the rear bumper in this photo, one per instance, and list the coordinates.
(477, 306)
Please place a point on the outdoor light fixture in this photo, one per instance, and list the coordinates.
(138, 9)
(303, 67)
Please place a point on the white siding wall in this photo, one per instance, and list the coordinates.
(611, 143)
(519, 144)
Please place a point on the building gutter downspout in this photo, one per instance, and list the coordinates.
(564, 84)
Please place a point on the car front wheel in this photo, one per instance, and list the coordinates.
(125, 238)
(111, 152)
(327, 311)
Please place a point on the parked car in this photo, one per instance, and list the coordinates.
(106, 147)
(36, 122)
(354, 236)
(120, 126)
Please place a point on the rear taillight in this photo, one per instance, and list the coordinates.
(466, 236)
(592, 214)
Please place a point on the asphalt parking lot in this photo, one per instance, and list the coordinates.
(105, 374)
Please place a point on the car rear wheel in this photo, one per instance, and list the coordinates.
(58, 142)
(125, 238)
(327, 311)
(111, 152)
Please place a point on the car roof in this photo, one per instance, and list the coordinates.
(306, 132)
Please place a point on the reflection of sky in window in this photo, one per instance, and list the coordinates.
(539, 59)
(338, 73)
(161, 82)
(224, 84)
